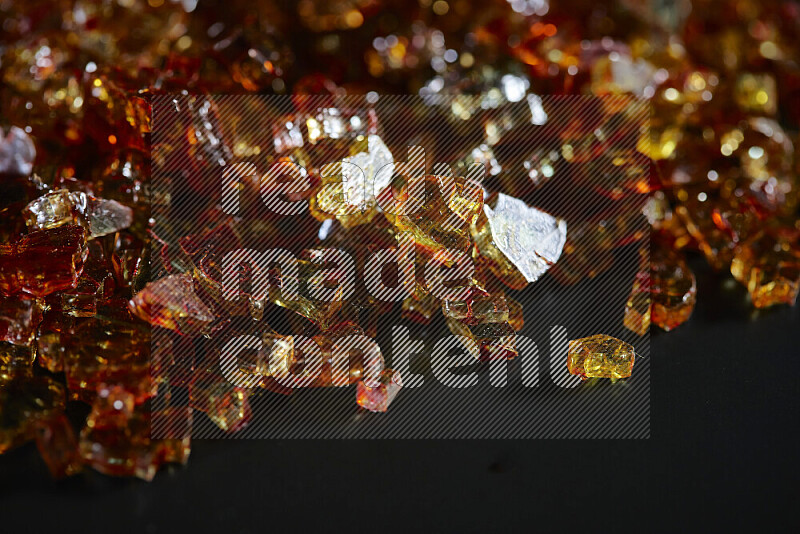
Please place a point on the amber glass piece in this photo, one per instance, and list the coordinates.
(485, 320)
(494, 341)
(588, 251)
(19, 318)
(519, 242)
(295, 365)
(769, 266)
(621, 76)
(26, 400)
(667, 227)
(81, 300)
(275, 359)
(673, 289)
(480, 308)
(128, 262)
(97, 283)
(377, 399)
(244, 305)
(228, 406)
(323, 313)
(637, 308)
(172, 360)
(116, 439)
(251, 368)
(581, 262)
(22, 266)
(250, 56)
(659, 143)
(359, 360)
(438, 220)
(51, 341)
(104, 351)
(171, 302)
(718, 225)
(176, 450)
(58, 447)
(600, 356)
(113, 442)
(16, 357)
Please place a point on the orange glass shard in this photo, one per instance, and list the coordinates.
(421, 306)
(769, 266)
(673, 290)
(344, 355)
(600, 356)
(244, 305)
(277, 352)
(480, 308)
(659, 143)
(667, 227)
(128, 263)
(377, 399)
(336, 357)
(172, 303)
(51, 341)
(16, 358)
(490, 341)
(588, 251)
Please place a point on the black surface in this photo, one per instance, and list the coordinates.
(722, 455)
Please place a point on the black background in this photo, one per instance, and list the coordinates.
(722, 454)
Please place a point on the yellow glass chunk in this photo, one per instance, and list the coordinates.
(440, 219)
(769, 265)
(600, 356)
